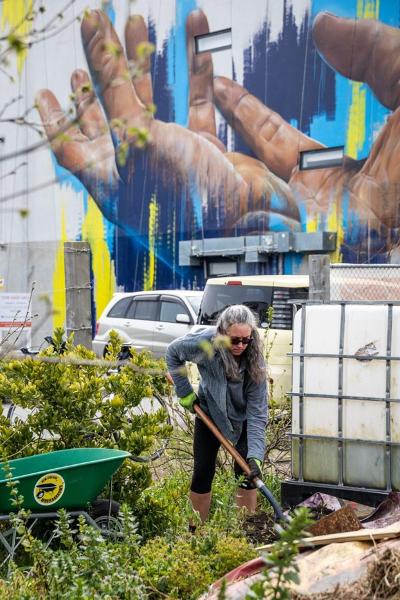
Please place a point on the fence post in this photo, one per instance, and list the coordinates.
(78, 292)
(318, 269)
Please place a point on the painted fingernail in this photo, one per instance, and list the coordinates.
(77, 78)
(135, 18)
(90, 24)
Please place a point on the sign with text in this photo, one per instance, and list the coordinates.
(15, 310)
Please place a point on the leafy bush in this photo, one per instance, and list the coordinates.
(185, 568)
(181, 565)
(72, 402)
(164, 508)
(82, 405)
(86, 566)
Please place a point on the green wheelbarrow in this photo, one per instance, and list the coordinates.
(70, 479)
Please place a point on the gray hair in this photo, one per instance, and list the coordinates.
(238, 314)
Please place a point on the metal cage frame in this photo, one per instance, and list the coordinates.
(297, 489)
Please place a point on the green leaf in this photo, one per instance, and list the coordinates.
(16, 43)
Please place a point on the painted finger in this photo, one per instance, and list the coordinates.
(110, 73)
(271, 138)
(364, 50)
(268, 194)
(377, 184)
(90, 115)
(139, 50)
(57, 125)
(213, 139)
(184, 157)
(66, 139)
(201, 105)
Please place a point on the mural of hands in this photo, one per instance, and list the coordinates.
(370, 188)
(247, 190)
(91, 148)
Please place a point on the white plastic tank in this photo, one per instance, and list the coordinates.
(346, 407)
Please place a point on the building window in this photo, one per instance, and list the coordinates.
(214, 41)
(322, 158)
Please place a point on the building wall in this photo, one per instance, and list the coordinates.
(225, 165)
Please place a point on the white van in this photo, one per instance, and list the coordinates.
(267, 296)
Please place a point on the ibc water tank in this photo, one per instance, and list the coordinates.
(346, 395)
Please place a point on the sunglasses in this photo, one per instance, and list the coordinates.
(235, 341)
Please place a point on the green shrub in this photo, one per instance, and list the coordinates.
(229, 553)
(185, 568)
(86, 566)
(84, 405)
(176, 563)
(173, 569)
(164, 508)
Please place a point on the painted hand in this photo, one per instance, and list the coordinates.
(112, 117)
(195, 156)
(370, 188)
(261, 183)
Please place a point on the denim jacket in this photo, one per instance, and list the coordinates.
(213, 389)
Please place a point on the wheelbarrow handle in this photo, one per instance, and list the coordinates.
(240, 461)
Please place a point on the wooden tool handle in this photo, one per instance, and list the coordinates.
(241, 462)
(226, 444)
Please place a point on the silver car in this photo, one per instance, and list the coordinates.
(148, 320)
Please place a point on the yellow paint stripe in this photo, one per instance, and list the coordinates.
(356, 131)
(14, 14)
(59, 294)
(356, 128)
(313, 222)
(368, 9)
(102, 264)
(150, 267)
(334, 223)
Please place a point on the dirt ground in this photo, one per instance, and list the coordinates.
(259, 528)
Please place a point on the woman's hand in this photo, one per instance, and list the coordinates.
(188, 402)
(255, 466)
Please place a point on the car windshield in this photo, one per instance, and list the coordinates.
(258, 298)
(217, 297)
(195, 302)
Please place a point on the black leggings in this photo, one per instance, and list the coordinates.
(205, 450)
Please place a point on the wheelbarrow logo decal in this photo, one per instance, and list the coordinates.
(48, 489)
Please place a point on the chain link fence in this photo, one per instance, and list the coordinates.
(365, 282)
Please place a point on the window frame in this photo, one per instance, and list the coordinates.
(130, 299)
(212, 34)
(175, 300)
(144, 298)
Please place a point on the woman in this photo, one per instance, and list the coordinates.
(232, 391)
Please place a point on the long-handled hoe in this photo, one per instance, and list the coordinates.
(279, 516)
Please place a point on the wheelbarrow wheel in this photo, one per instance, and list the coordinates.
(106, 517)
